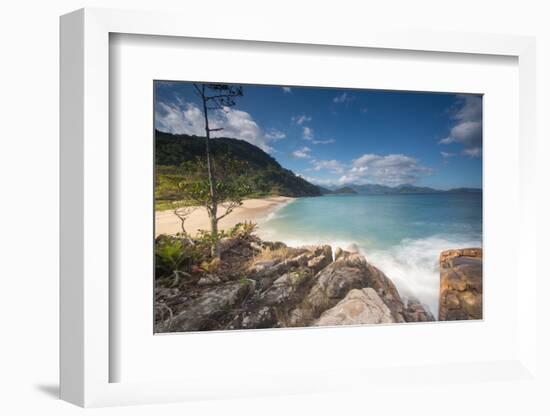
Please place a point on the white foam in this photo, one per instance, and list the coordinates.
(413, 266)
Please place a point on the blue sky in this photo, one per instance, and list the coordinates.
(338, 137)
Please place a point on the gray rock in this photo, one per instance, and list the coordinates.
(360, 306)
(209, 280)
(352, 248)
(228, 243)
(273, 245)
(211, 307)
(332, 284)
(263, 317)
(284, 288)
(416, 312)
(255, 246)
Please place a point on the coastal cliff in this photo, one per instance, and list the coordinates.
(461, 284)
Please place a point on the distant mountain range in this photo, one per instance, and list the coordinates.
(267, 176)
(338, 191)
(374, 189)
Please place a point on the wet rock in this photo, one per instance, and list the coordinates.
(461, 284)
(387, 292)
(352, 248)
(416, 312)
(360, 306)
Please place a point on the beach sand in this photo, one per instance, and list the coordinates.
(251, 210)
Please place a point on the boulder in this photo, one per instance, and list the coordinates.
(269, 308)
(313, 257)
(262, 317)
(332, 284)
(211, 308)
(387, 292)
(461, 284)
(416, 312)
(360, 306)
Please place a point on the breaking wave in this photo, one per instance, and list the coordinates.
(413, 265)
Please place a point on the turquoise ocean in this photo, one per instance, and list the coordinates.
(402, 235)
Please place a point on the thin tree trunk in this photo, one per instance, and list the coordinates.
(215, 249)
(212, 212)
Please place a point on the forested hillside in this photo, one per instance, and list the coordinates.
(178, 157)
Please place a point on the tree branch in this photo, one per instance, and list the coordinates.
(198, 90)
(223, 96)
(229, 207)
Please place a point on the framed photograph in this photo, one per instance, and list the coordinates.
(278, 212)
(269, 227)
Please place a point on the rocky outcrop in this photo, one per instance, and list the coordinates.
(461, 285)
(259, 284)
(211, 307)
(416, 312)
(331, 285)
(360, 306)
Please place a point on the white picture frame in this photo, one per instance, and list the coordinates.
(86, 356)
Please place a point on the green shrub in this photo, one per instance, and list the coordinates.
(243, 230)
(174, 257)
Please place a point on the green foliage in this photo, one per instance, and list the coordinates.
(231, 186)
(175, 255)
(205, 237)
(178, 254)
(243, 230)
(170, 252)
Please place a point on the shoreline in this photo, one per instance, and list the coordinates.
(255, 210)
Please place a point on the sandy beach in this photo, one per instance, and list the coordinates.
(251, 210)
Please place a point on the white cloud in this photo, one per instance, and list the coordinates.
(342, 98)
(328, 141)
(287, 90)
(307, 133)
(331, 165)
(301, 119)
(187, 118)
(274, 134)
(302, 153)
(179, 119)
(447, 155)
(467, 128)
(319, 181)
(472, 152)
(391, 170)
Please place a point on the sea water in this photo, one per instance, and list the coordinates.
(402, 234)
